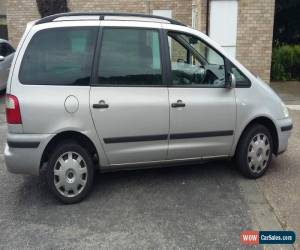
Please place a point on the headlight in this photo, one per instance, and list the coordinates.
(285, 110)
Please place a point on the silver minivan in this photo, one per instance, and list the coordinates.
(111, 91)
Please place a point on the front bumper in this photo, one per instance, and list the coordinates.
(23, 152)
(285, 127)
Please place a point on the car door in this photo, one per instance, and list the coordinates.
(128, 100)
(203, 110)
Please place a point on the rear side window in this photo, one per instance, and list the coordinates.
(60, 56)
(130, 57)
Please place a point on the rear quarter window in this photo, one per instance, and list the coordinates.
(59, 56)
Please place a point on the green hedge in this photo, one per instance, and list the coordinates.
(286, 63)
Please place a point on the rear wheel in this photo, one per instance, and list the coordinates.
(254, 152)
(70, 172)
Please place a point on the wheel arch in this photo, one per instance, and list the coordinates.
(269, 124)
(78, 137)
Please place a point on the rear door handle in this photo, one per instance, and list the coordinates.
(178, 104)
(100, 105)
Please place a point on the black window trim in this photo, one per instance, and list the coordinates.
(227, 63)
(62, 85)
(94, 82)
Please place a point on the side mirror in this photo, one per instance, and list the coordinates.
(2, 58)
(231, 81)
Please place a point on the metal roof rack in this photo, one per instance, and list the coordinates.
(103, 15)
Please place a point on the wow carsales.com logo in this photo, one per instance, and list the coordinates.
(267, 237)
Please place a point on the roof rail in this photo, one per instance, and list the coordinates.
(103, 14)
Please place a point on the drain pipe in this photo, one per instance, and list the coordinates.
(148, 4)
(207, 16)
(194, 15)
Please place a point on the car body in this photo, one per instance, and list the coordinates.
(133, 91)
(6, 57)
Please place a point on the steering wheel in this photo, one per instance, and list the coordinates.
(185, 78)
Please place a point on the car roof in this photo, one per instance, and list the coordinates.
(81, 16)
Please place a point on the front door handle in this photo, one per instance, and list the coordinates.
(178, 104)
(100, 105)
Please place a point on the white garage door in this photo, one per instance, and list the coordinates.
(223, 23)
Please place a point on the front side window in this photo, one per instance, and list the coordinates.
(130, 57)
(193, 63)
(60, 56)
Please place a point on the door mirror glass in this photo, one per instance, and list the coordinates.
(2, 58)
(231, 81)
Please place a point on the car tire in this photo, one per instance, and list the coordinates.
(254, 151)
(70, 172)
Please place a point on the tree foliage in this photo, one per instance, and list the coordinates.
(50, 7)
(287, 22)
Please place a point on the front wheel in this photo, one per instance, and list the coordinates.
(254, 152)
(70, 172)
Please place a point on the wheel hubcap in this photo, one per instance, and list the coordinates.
(70, 174)
(258, 153)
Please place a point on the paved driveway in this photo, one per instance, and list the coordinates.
(190, 207)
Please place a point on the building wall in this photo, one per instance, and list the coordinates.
(255, 35)
(202, 16)
(255, 22)
(19, 13)
(181, 9)
(3, 23)
(3, 4)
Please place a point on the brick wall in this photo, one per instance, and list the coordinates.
(255, 35)
(202, 15)
(3, 4)
(108, 5)
(181, 9)
(19, 13)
